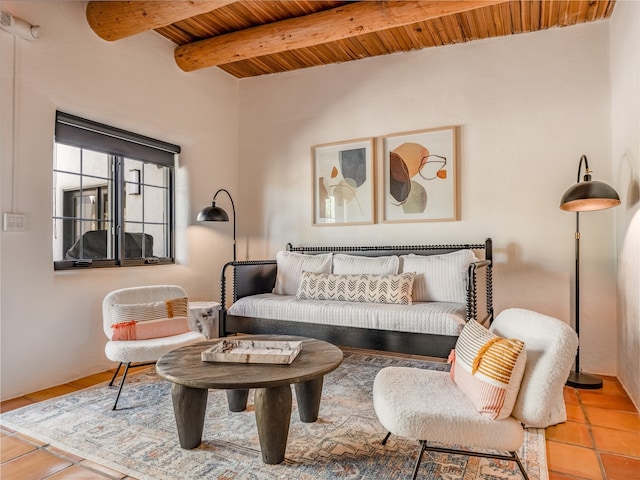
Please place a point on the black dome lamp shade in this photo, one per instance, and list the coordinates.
(213, 214)
(585, 196)
(588, 195)
(217, 214)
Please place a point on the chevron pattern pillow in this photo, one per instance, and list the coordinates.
(357, 288)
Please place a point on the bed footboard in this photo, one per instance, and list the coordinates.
(431, 345)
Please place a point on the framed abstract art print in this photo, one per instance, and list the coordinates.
(419, 176)
(343, 183)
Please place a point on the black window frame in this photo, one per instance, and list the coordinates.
(119, 145)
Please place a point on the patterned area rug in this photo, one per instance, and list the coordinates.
(140, 439)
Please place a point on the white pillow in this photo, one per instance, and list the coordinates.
(291, 265)
(439, 278)
(356, 265)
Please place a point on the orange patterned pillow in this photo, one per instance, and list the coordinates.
(163, 327)
(488, 369)
(177, 307)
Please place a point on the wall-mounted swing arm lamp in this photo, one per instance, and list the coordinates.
(18, 27)
(217, 214)
(585, 196)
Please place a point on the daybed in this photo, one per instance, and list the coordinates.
(304, 291)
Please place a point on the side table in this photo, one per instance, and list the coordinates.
(204, 317)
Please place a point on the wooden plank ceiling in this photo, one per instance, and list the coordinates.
(249, 38)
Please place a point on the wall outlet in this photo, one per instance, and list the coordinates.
(14, 222)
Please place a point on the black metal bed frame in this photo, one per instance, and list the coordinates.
(252, 277)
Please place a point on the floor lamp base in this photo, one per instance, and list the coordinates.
(584, 380)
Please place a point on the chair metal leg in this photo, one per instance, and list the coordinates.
(513, 456)
(124, 376)
(517, 460)
(115, 375)
(423, 444)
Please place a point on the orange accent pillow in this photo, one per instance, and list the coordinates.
(177, 307)
(488, 369)
(164, 327)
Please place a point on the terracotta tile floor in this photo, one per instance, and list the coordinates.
(601, 438)
(599, 441)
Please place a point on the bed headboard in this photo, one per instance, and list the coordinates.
(377, 251)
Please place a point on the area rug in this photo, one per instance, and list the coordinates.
(140, 438)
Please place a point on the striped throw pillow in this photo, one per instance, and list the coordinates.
(141, 312)
(290, 266)
(357, 288)
(355, 264)
(488, 369)
(439, 278)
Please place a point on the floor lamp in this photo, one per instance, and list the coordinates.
(217, 214)
(585, 196)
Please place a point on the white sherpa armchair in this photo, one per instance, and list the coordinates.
(145, 304)
(428, 406)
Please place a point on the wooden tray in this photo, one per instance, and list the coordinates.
(253, 351)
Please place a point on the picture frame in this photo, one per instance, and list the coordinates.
(344, 183)
(420, 176)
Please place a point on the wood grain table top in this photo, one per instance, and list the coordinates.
(184, 366)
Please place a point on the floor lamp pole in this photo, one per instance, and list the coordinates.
(578, 379)
(585, 196)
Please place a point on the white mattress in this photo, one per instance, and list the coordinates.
(439, 318)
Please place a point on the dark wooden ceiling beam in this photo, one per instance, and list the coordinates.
(351, 20)
(117, 20)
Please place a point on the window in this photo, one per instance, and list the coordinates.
(113, 196)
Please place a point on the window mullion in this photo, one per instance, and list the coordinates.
(142, 210)
(170, 211)
(118, 208)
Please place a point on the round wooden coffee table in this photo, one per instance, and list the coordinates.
(192, 378)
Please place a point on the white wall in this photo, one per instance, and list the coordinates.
(528, 106)
(625, 127)
(51, 330)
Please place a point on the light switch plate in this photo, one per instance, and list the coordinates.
(14, 222)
